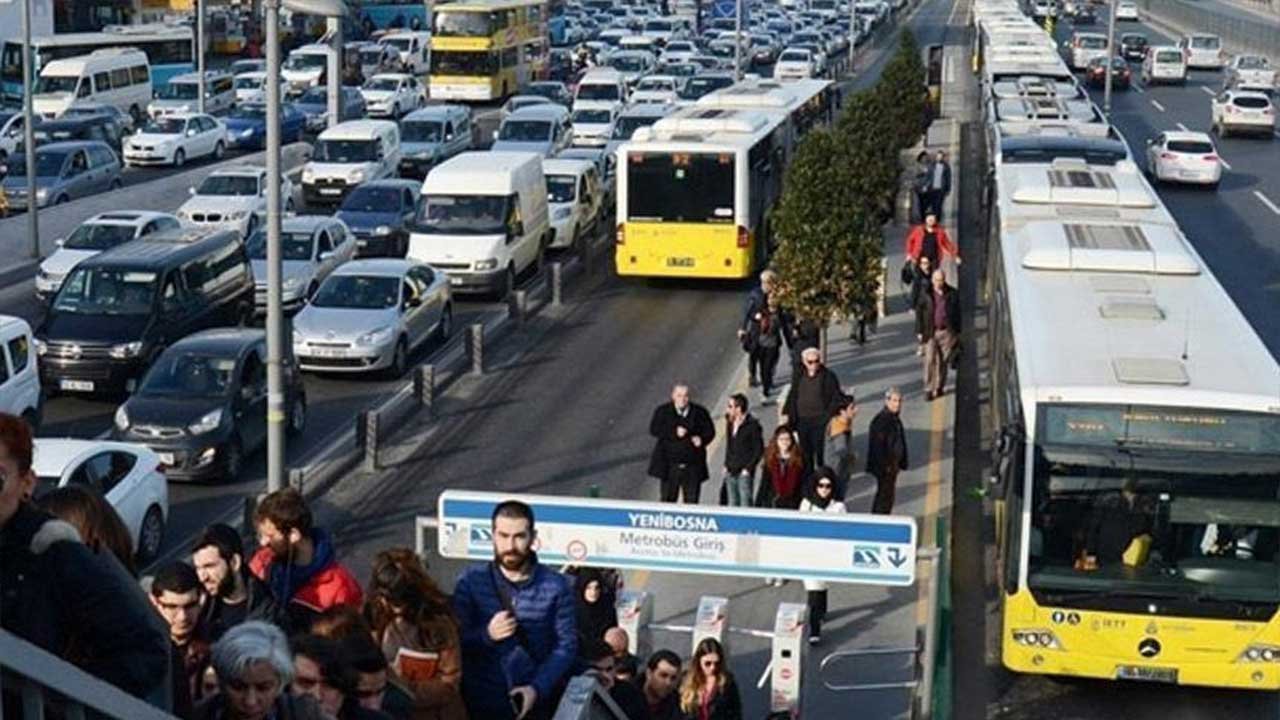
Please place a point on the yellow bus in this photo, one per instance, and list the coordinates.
(695, 189)
(485, 50)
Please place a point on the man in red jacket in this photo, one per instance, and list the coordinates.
(297, 561)
(931, 241)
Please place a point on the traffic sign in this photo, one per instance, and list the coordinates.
(742, 542)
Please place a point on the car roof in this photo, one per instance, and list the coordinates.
(434, 112)
(66, 146)
(541, 111)
(127, 217)
(164, 249)
(306, 223)
(566, 166)
(388, 267)
(391, 183)
(195, 76)
(220, 341)
(238, 170)
(53, 455)
(74, 121)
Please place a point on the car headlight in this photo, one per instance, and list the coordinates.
(562, 213)
(42, 194)
(382, 230)
(41, 347)
(208, 423)
(246, 133)
(356, 176)
(308, 175)
(122, 418)
(292, 285)
(126, 350)
(376, 337)
(489, 264)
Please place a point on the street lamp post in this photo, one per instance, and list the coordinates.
(1111, 49)
(29, 134)
(737, 40)
(853, 34)
(200, 55)
(335, 70)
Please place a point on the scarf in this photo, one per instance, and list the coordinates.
(285, 578)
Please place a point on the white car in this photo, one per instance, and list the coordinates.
(312, 247)
(97, 234)
(1127, 11)
(1183, 157)
(574, 199)
(233, 198)
(1252, 72)
(593, 124)
(657, 89)
(251, 88)
(128, 475)
(391, 95)
(174, 139)
(369, 315)
(1243, 111)
(521, 101)
(1203, 51)
(794, 64)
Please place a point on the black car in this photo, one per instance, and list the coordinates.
(1133, 46)
(378, 213)
(202, 407)
(117, 310)
(92, 127)
(1096, 76)
(1085, 15)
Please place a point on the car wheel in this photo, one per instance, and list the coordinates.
(399, 360)
(150, 535)
(179, 158)
(297, 416)
(445, 327)
(218, 150)
(61, 199)
(232, 460)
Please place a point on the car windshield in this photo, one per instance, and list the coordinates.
(658, 84)
(189, 375)
(165, 126)
(1090, 42)
(1253, 62)
(627, 126)
(94, 236)
(358, 292)
(1195, 147)
(464, 214)
(248, 83)
(699, 86)
(525, 130)
(306, 61)
(422, 131)
(107, 291)
(293, 246)
(601, 117)
(628, 63)
(683, 70)
(1209, 42)
(383, 83)
(345, 151)
(250, 112)
(47, 164)
(560, 188)
(373, 199)
(658, 26)
(794, 56)
(177, 91)
(241, 185)
(56, 84)
(598, 91)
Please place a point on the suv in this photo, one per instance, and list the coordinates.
(234, 198)
(97, 234)
(118, 310)
(1243, 111)
(64, 171)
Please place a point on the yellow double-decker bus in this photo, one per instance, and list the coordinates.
(487, 49)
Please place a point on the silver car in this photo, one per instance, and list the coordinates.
(369, 315)
(313, 246)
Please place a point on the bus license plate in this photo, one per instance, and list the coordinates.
(684, 262)
(1147, 674)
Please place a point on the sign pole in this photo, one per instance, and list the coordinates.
(28, 132)
(737, 41)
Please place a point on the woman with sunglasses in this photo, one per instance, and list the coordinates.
(708, 690)
(415, 628)
(821, 497)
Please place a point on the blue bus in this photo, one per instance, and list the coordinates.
(387, 14)
(170, 50)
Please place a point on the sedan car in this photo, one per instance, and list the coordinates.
(370, 314)
(247, 126)
(1244, 112)
(312, 246)
(97, 234)
(1127, 11)
(1133, 46)
(314, 106)
(234, 198)
(378, 212)
(657, 89)
(174, 139)
(592, 126)
(1183, 157)
(202, 406)
(128, 475)
(1095, 73)
(392, 95)
(64, 171)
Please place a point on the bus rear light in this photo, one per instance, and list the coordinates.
(621, 235)
(1259, 654)
(744, 237)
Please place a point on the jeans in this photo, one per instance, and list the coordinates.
(741, 487)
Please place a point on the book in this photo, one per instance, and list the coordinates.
(415, 666)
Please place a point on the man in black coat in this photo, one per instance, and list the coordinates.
(234, 594)
(757, 301)
(939, 311)
(886, 451)
(814, 397)
(682, 430)
(743, 448)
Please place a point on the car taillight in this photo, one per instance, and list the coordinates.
(1210, 158)
(744, 237)
(1231, 109)
(621, 236)
(1168, 156)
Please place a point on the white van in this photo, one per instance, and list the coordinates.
(575, 201)
(305, 67)
(19, 379)
(1203, 51)
(483, 219)
(600, 86)
(1085, 46)
(1164, 64)
(348, 154)
(180, 94)
(119, 77)
(414, 49)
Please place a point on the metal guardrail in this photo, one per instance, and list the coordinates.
(1252, 34)
(46, 682)
(586, 699)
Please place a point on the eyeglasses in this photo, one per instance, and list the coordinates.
(824, 485)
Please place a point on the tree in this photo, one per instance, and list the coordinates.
(873, 157)
(903, 82)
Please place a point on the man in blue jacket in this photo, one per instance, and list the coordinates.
(518, 622)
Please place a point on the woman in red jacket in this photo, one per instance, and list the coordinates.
(782, 472)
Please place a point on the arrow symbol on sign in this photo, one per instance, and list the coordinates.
(896, 557)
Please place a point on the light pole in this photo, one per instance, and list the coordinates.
(29, 134)
(737, 40)
(200, 55)
(335, 70)
(853, 34)
(1111, 49)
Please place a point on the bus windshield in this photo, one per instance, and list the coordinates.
(463, 24)
(462, 63)
(680, 187)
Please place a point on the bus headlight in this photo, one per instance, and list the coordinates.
(1037, 638)
(1259, 654)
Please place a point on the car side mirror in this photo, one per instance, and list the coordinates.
(191, 133)
(191, 190)
(59, 242)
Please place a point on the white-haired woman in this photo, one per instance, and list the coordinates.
(254, 668)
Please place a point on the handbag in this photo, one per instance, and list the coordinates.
(908, 273)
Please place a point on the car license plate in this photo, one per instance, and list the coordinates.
(166, 458)
(77, 385)
(329, 191)
(684, 262)
(455, 280)
(1189, 175)
(1147, 674)
(329, 352)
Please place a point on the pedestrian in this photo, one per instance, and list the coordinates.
(757, 300)
(298, 562)
(682, 430)
(377, 688)
(931, 241)
(821, 497)
(178, 596)
(886, 451)
(254, 667)
(518, 625)
(814, 396)
(234, 595)
(414, 626)
(921, 282)
(940, 307)
(659, 682)
(781, 477)
(99, 525)
(321, 670)
(839, 453)
(766, 333)
(61, 596)
(602, 665)
(805, 334)
(743, 448)
(920, 185)
(596, 611)
(708, 690)
(939, 184)
(617, 638)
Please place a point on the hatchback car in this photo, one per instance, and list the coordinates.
(369, 315)
(392, 95)
(128, 475)
(64, 171)
(202, 407)
(1183, 157)
(379, 212)
(312, 247)
(592, 126)
(1243, 112)
(247, 126)
(234, 198)
(1133, 46)
(174, 139)
(100, 232)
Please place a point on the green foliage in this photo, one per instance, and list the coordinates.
(903, 82)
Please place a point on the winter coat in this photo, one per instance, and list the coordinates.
(780, 483)
(742, 451)
(832, 394)
(669, 448)
(308, 591)
(886, 439)
(925, 306)
(725, 705)
(287, 707)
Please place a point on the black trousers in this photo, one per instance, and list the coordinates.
(812, 433)
(682, 479)
(933, 203)
(886, 488)
(766, 358)
(817, 611)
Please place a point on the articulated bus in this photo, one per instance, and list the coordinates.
(170, 49)
(807, 103)
(487, 49)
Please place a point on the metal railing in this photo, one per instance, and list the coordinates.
(1254, 34)
(586, 699)
(52, 687)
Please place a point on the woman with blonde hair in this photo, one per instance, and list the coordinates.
(708, 690)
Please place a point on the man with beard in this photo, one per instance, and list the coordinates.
(234, 595)
(298, 562)
(518, 623)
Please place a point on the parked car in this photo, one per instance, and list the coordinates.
(312, 247)
(574, 199)
(1133, 46)
(97, 234)
(1244, 112)
(392, 95)
(379, 214)
(128, 475)
(174, 139)
(314, 106)
(1184, 157)
(20, 380)
(202, 406)
(432, 135)
(369, 315)
(247, 126)
(1096, 74)
(234, 198)
(64, 171)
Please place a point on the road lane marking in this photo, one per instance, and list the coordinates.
(1138, 87)
(1266, 201)
(1157, 105)
(1208, 90)
(1183, 127)
(1225, 164)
